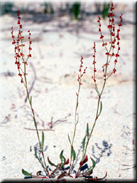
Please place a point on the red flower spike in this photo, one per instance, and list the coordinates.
(20, 26)
(30, 42)
(31, 49)
(18, 22)
(107, 53)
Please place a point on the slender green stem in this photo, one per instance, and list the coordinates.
(98, 104)
(34, 119)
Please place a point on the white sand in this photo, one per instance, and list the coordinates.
(56, 58)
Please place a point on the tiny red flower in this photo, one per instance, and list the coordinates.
(29, 55)
(115, 61)
(117, 55)
(114, 70)
(109, 26)
(101, 36)
(94, 62)
(20, 74)
(21, 80)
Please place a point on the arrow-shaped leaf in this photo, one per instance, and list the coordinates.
(69, 139)
(42, 140)
(94, 163)
(87, 131)
(52, 164)
(35, 122)
(73, 154)
(62, 158)
(30, 100)
(83, 143)
(26, 173)
(100, 108)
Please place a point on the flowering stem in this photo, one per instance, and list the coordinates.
(76, 109)
(34, 119)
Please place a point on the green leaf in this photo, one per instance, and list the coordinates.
(87, 131)
(96, 88)
(36, 154)
(94, 163)
(35, 123)
(83, 143)
(52, 164)
(26, 173)
(42, 140)
(100, 108)
(73, 154)
(30, 100)
(62, 158)
(69, 139)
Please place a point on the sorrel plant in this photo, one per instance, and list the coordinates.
(112, 49)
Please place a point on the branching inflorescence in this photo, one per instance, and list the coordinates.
(111, 52)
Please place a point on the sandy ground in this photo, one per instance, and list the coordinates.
(57, 48)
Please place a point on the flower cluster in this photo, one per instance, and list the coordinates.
(114, 37)
(80, 69)
(94, 62)
(19, 48)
